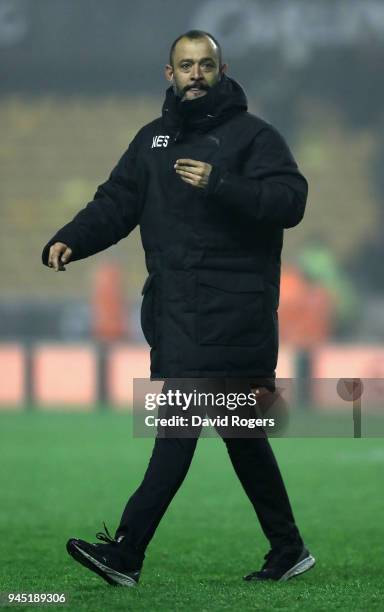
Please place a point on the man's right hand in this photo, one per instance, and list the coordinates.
(59, 254)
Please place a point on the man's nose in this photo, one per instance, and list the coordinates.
(196, 72)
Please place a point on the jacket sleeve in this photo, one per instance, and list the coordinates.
(110, 216)
(270, 188)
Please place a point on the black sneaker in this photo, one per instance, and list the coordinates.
(106, 560)
(283, 564)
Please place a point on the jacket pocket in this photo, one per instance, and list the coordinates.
(147, 315)
(230, 308)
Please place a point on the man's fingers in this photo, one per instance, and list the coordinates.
(67, 255)
(192, 169)
(191, 175)
(56, 252)
(54, 258)
(187, 180)
(188, 162)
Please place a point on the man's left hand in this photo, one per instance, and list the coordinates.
(196, 173)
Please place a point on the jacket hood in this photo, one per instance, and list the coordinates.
(225, 99)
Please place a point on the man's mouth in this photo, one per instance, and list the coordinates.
(196, 90)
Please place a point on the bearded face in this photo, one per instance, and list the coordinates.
(195, 68)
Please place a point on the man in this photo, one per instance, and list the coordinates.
(212, 188)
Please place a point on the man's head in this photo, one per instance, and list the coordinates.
(195, 64)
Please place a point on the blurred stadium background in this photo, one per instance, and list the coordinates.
(78, 79)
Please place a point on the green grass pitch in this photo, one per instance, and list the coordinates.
(63, 474)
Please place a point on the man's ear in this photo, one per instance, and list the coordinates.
(224, 68)
(168, 72)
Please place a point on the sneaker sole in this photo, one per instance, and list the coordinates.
(111, 576)
(299, 568)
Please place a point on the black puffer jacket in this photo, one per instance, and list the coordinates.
(213, 255)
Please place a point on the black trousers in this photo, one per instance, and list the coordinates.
(251, 456)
